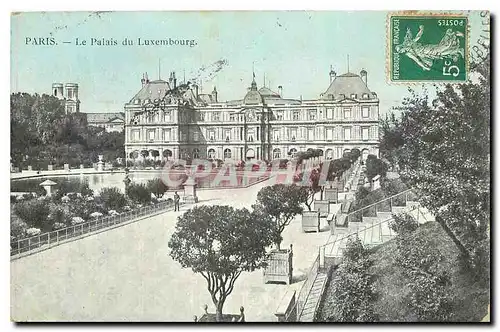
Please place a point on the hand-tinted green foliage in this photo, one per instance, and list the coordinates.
(220, 242)
(428, 282)
(42, 134)
(282, 203)
(442, 148)
(353, 287)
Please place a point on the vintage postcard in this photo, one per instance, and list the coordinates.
(300, 166)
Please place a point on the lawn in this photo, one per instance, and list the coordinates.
(470, 300)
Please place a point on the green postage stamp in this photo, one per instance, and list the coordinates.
(427, 47)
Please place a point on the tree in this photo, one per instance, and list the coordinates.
(281, 203)
(353, 290)
(312, 186)
(374, 167)
(442, 149)
(220, 242)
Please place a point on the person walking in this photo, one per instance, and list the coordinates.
(177, 198)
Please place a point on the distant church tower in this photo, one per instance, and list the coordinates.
(69, 93)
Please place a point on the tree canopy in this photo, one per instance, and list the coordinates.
(442, 148)
(281, 203)
(220, 242)
(42, 133)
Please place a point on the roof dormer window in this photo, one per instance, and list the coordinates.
(366, 96)
(354, 96)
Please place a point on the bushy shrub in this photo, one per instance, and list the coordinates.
(403, 223)
(138, 193)
(362, 193)
(34, 213)
(58, 215)
(353, 287)
(157, 187)
(83, 207)
(112, 198)
(72, 186)
(428, 282)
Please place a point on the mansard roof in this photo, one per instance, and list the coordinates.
(343, 86)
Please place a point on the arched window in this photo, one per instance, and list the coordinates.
(167, 154)
(292, 152)
(211, 154)
(276, 153)
(227, 154)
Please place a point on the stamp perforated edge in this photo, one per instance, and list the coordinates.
(388, 57)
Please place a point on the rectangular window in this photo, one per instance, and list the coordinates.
(151, 135)
(276, 135)
(200, 116)
(312, 115)
(329, 113)
(293, 134)
(232, 117)
(227, 134)
(365, 133)
(279, 115)
(211, 135)
(347, 133)
(295, 115)
(136, 135)
(310, 135)
(183, 136)
(250, 135)
(216, 116)
(329, 134)
(196, 136)
(168, 116)
(166, 135)
(365, 111)
(347, 113)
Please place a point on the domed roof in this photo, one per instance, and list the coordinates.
(253, 97)
(343, 86)
(266, 92)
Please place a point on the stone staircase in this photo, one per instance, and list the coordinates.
(312, 301)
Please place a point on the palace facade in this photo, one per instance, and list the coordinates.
(166, 120)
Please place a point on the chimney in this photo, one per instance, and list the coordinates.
(364, 76)
(194, 87)
(214, 95)
(333, 74)
(143, 80)
(280, 91)
(147, 79)
(175, 79)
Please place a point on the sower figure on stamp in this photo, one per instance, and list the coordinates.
(425, 54)
(177, 198)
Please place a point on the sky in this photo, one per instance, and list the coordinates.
(291, 49)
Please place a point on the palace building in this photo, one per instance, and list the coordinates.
(166, 120)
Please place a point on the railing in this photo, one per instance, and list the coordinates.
(305, 290)
(54, 238)
(384, 205)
